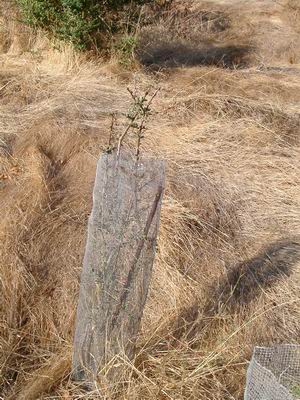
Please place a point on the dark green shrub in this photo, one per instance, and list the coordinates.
(80, 22)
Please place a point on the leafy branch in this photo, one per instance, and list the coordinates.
(137, 117)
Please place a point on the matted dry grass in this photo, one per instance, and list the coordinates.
(226, 275)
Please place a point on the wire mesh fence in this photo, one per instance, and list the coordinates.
(274, 373)
(117, 265)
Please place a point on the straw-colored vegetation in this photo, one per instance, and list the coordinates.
(226, 119)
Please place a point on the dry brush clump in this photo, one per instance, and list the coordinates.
(227, 268)
(188, 33)
(191, 33)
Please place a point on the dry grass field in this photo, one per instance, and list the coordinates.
(227, 121)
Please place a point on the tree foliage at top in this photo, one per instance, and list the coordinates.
(80, 22)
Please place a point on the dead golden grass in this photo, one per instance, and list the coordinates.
(226, 275)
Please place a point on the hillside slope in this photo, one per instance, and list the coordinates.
(227, 122)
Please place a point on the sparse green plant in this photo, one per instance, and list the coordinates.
(126, 50)
(137, 115)
(296, 391)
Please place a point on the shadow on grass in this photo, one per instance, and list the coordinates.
(180, 54)
(246, 280)
(242, 284)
